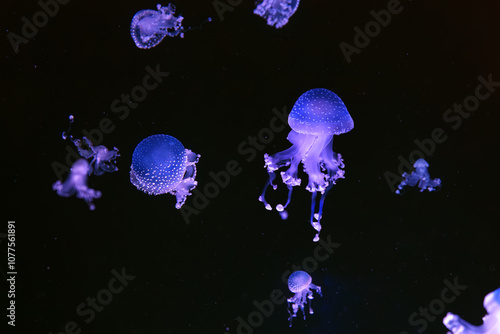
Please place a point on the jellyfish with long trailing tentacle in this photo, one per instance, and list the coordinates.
(300, 283)
(161, 165)
(276, 12)
(420, 176)
(316, 117)
(491, 321)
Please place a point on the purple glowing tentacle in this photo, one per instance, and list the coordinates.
(317, 179)
(262, 197)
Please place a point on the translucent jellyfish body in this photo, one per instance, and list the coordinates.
(316, 117)
(491, 321)
(161, 165)
(149, 27)
(420, 176)
(276, 12)
(300, 283)
(76, 183)
(102, 159)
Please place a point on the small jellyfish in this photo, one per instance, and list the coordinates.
(300, 283)
(276, 12)
(76, 183)
(103, 160)
(316, 117)
(419, 176)
(149, 27)
(491, 321)
(161, 165)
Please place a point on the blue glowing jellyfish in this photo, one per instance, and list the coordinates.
(419, 176)
(316, 117)
(149, 27)
(161, 165)
(491, 321)
(276, 12)
(102, 159)
(300, 283)
(76, 183)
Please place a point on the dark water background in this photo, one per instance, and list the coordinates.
(224, 82)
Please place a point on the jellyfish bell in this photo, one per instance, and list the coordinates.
(300, 283)
(317, 116)
(276, 12)
(161, 165)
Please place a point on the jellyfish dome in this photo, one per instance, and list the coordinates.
(491, 321)
(300, 283)
(149, 27)
(317, 116)
(161, 165)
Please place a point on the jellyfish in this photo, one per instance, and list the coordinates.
(103, 160)
(161, 165)
(491, 321)
(276, 12)
(76, 183)
(316, 117)
(419, 176)
(300, 283)
(149, 27)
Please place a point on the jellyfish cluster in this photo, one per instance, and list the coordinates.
(95, 160)
(276, 12)
(161, 165)
(317, 116)
(300, 283)
(491, 321)
(419, 177)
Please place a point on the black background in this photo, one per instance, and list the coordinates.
(224, 81)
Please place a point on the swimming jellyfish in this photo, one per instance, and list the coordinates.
(161, 165)
(300, 283)
(316, 117)
(491, 321)
(276, 12)
(149, 27)
(76, 183)
(419, 176)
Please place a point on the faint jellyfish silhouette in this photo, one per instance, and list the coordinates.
(491, 321)
(149, 27)
(103, 160)
(300, 283)
(276, 12)
(161, 165)
(76, 183)
(316, 117)
(419, 176)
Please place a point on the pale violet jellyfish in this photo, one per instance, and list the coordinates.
(276, 12)
(420, 176)
(316, 117)
(76, 183)
(300, 283)
(149, 27)
(491, 321)
(161, 165)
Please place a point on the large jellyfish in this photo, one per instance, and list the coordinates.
(161, 165)
(300, 283)
(276, 12)
(76, 183)
(316, 117)
(419, 176)
(149, 27)
(491, 321)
